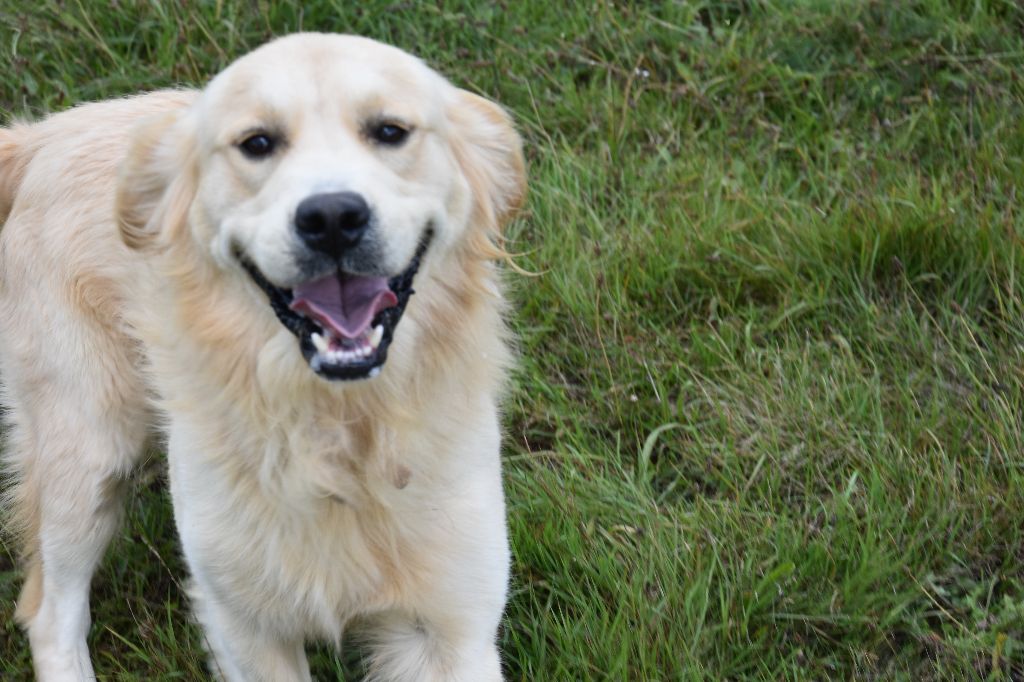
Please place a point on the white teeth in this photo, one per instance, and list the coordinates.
(327, 351)
(376, 336)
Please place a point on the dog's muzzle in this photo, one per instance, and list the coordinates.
(345, 323)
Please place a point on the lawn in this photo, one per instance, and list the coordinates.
(766, 421)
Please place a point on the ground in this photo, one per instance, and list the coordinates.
(766, 422)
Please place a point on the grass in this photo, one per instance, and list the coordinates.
(767, 417)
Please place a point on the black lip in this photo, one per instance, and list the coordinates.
(302, 327)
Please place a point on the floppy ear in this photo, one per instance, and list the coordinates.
(157, 182)
(490, 153)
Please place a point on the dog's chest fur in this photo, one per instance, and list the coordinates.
(329, 516)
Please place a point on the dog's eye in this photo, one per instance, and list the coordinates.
(390, 134)
(258, 146)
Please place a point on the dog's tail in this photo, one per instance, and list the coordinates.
(14, 158)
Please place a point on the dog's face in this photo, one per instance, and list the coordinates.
(327, 168)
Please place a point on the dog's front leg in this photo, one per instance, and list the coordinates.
(243, 632)
(447, 630)
(240, 653)
(407, 648)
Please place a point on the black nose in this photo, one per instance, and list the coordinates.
(332, 223)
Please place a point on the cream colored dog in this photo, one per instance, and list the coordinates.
(234, 269)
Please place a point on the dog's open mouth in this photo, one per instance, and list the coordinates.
(344, 322)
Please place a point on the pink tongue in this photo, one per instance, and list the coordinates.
(344, 303)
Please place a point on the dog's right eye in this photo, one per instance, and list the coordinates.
(258, 146)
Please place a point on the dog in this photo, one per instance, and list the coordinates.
(292, 278)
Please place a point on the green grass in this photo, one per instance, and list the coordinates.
(767, 417)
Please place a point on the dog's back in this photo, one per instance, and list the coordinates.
(75, 400)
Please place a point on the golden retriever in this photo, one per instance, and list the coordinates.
(289, 275)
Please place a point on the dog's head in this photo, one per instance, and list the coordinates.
(325, 170)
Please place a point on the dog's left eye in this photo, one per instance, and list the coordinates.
(258, 146)
(390, 134)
